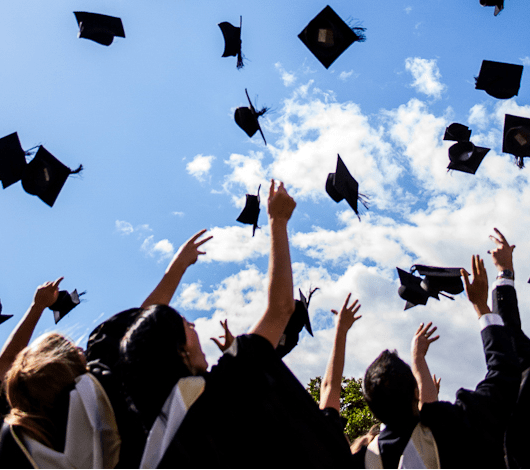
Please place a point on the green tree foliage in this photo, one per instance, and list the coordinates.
(353, 407)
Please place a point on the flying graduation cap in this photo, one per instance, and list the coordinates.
(247, 118)
(250, 213)
(457, 132)
(3, 318)
(499, 79)
(12, 160)
(327, 36)
(299, 319)
(232, 37)
(64, 304)
(341, 185)
(466, 157)
(44, 176)
(99, 28)
(416, 290)
(498, 4)
(516, 138)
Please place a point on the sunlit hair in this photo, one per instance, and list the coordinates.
(389, 388)
(37, 387)
(152, 360)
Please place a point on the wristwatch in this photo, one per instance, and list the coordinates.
(505, 274)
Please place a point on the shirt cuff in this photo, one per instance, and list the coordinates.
(503, 282)
(489, 319)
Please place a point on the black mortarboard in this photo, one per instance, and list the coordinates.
(64, 304)
(411, 290)
(45, 176)
(416, 290)
(12, 160)
(99, 28)
(516, 138)
(250, 213)
(457, 132)
(498, 4)
(342, 185)
(327, 36)
(3, 318)
(499, 79)
(232, 37)
(465, 156)
(299, 319)
(247, 119)
(440, 279)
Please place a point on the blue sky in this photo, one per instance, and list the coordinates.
(151, 120)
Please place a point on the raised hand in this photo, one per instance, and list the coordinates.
(189, 252)
(229, 338)
(280, 204)
(346, 316)
(477, 289)
(502, 255)
(47, 293)
(422, 340)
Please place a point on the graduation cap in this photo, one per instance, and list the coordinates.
(498, 4)
(249, 214)
(416, 290)
(64, 304)
(457, 132)
(247, 119)
(499, 79)
(3, 318)
(99, 28)
(327, 36)
(465, 156)
(12, 160)
(299, 319)
(232, 37)
(440, 279)
(516, 138)
(341, 185)
(45, 176)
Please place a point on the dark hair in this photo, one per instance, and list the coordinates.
(151, 360)
(390, 388)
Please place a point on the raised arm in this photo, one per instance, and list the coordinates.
(187, 255)
(45, 295)
(280, 305)
(419, 347)
(331, 385)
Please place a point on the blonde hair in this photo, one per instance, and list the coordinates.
(37, 386)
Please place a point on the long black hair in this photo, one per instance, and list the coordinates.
(152, 360)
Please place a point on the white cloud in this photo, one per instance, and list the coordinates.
(478, 116)
(525, 60)
(345, 75)
(162, 249)
(125, 228)
(288, 78)
(426, 76)
(200, 166)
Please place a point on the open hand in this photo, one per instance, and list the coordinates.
(346, 316)
(477, 289)
(422, 340)
(229, 338)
